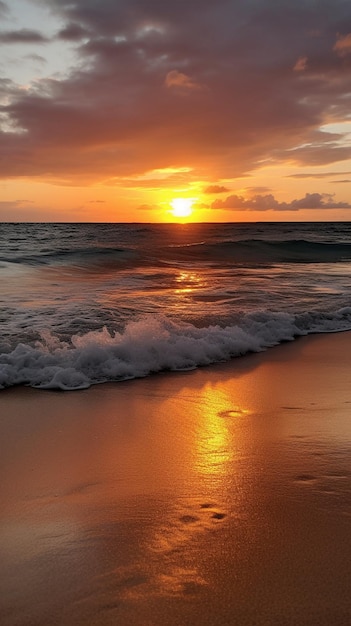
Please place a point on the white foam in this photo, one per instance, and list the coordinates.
(149, 345)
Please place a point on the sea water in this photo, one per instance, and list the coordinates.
(82, 304)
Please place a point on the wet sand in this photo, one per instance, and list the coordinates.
(214, 497)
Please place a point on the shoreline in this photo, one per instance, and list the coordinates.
(220, 495)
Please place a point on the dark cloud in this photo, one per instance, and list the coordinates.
(25, 35)
(317, 174)
(216, 189)
(4, 10)
(319, 154)
(8, 88)
(73, 32)
(194, 83)
(269, 203)
(346, 180)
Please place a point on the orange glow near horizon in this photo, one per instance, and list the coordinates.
(41, 200)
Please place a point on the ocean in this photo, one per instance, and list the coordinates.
(82, 304)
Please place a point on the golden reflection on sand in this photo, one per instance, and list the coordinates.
(201, 507)
(215, 446)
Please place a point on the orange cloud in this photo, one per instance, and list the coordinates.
(180, 81)
(269, 203)
(300, 64)
(216, 189)
(343, 45)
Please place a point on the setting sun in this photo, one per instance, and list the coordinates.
(182, 207)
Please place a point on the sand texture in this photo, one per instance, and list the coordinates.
(220, 496)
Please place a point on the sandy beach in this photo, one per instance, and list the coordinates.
(213, 497)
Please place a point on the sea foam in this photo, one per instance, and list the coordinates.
(152, 344)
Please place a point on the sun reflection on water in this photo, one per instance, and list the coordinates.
(189, 281)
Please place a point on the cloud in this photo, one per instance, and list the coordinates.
(343, 45)
(318, 153)
(300, 64)
(25, 35)
(317, 174)
(180, 81)
(269, 203)
(257, 189)
(155, 180)
(114, 113)
(36, 57)
(73, 32)
(4, 10)
(215, 189)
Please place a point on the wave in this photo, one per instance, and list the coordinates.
(244, 252)
(153, 344)
(83, 256)
(259, 251)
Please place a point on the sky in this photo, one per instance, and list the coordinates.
(111, 110)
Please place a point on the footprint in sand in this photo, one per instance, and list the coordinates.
(210, 511)
(217, 515)
(305, 478)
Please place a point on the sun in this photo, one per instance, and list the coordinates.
(182, 207)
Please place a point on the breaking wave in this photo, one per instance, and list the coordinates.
(153, 344)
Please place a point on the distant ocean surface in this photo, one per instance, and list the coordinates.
(82, 304)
